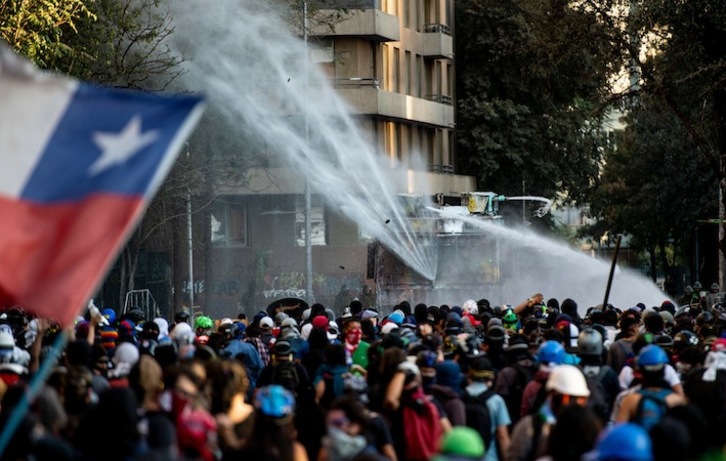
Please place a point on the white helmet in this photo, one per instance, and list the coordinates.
(568, 380)
(470, 307)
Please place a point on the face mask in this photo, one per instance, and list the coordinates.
(345, 445)
(428, 381)
(178, 403)
(353, 336)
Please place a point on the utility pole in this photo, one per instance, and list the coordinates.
(308, 197)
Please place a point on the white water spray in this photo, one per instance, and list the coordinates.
(244, 58)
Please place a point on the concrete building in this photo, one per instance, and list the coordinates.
(393, 62)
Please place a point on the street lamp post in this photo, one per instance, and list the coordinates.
(308, 197)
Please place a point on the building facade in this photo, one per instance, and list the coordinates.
(392, 61)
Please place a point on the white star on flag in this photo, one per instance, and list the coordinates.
(117, 148)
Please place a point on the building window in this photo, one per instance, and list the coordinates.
(317, 222)
(228, 222)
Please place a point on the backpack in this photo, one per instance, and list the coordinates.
(597, 401)
(524, 376)
(285, 374)
(421, 427)
(651, 408)
(478, 416)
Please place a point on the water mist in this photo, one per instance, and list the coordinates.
(256, 73)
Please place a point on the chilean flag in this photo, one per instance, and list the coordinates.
(78, 165)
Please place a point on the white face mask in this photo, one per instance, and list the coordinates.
(344, 444)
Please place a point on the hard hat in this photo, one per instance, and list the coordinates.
(664, 341)
(589, 342)
(551, 352)
(697, 286)
(704, 318)
(509, 316)
(684, 339)
(568, 380)
(626, 442)
(651, 356)
(203, 322)
(463, 442)
(181, 316)
(470, 306)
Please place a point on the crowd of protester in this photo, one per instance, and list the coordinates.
(462, 382)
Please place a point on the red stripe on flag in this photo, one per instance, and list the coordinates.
(53, 256)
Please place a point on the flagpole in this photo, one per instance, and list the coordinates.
(34, 387)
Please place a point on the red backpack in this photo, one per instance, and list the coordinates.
(421, 426)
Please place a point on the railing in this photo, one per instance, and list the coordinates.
(440, 98)
(440, 168)
(437, 29)
(351, 4)
(356, 82)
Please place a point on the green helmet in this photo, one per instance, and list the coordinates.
(204, 322)
(462, 441)
(509, 316)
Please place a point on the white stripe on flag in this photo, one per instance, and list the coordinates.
(30, 109)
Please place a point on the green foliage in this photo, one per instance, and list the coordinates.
(41, 30)
(530, 78)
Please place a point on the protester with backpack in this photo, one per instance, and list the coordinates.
(417, 423)
(549, 355)
(512, 380)
(649, 404)
(601, 379)
(486, 411)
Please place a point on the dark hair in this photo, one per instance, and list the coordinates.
(574, 434)
(335, 354)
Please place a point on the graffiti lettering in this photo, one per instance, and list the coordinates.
(198, 286)
(289, 293)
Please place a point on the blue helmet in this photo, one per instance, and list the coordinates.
(110, 315)
(551, 352)
(623, 442)
(275, 401)
(651, 355)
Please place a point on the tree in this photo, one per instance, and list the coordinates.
(530, 76)
(653, 186)
(676, 59)
(42, 31)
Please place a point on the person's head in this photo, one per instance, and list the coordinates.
(481, 370)
(461, 443)
(335, 355)
(567, 385)
(651, 362)
(181, 316)
(426, 362)
(551, 353)
(146, 381)
(589, 343)
(629, 326)
(347, 415)
(623, 442)
(282, 350)
(574, 434)
(226, 380)
(352, 332)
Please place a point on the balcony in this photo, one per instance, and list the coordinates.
(367, 22)
(438, 42)
(365, 98)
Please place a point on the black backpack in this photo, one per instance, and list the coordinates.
(478, 416)
(285, 374)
